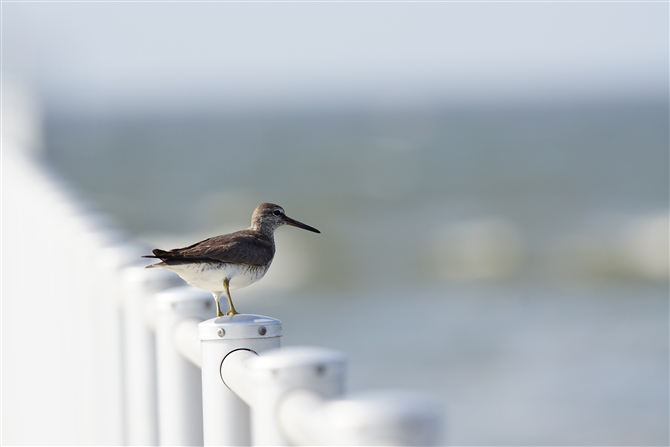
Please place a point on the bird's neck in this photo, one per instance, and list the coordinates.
(266, 230)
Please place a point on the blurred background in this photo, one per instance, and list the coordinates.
(490, 179)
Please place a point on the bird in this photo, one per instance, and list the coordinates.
(231, 261)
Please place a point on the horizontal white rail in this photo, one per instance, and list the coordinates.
(297, 398)
(166, 373)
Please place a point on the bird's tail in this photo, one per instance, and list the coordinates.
(157, 254)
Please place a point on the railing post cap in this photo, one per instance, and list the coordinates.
(369, 418)
(399, 403)
(297, 357)
(183, 299)
(122, 255)
(153, 278)
(239, 326)
(388, 417)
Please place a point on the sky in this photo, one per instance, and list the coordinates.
(153, 57)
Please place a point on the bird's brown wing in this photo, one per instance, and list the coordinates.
(245, 247)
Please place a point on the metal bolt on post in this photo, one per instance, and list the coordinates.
(225, 413)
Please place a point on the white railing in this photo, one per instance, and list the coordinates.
(141, 359)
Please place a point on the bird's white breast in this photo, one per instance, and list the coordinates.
(208, 276)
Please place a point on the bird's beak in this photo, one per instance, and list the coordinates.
(295, 223)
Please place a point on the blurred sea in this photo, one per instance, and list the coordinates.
(514, 262)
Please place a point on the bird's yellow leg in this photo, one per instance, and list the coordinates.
(232, 310)
(218, 307)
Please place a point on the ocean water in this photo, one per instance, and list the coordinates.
(512, 262)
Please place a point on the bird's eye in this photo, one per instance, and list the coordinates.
(276, 213)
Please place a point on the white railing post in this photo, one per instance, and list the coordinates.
(139, 343)
(268, 378)
(98, 263)
(226, 416)
(179, 382)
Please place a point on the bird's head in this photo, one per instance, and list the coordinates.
(268, 217)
